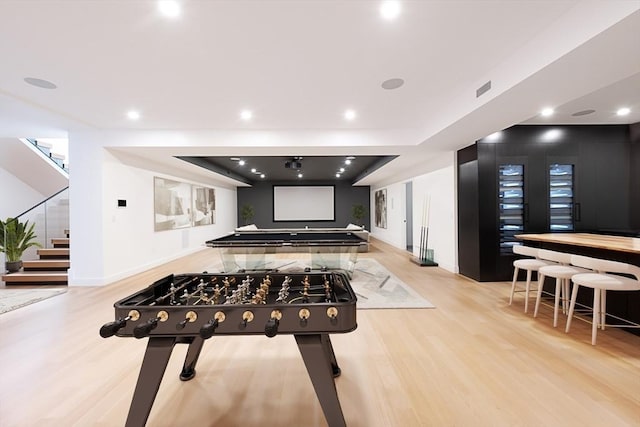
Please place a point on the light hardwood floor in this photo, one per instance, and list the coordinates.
(472, 361)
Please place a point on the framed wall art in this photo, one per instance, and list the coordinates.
(381, 208)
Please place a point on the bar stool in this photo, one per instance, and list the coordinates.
(605, 278)
(528, 264)
(562, 272)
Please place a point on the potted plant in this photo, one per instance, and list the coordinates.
(358, 211)
(246, 212)
(15, 238)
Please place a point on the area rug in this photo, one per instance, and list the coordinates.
(11, 299)
(377, 287)
(374, 285)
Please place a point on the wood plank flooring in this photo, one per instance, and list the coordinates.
(472, 361)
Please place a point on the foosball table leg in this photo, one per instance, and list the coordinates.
(154, 364)
(328, 348)
(193, 352)
(319, 359)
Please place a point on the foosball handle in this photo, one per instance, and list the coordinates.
(271, 328)
(110, 329)
(145, 329)
(208, 329)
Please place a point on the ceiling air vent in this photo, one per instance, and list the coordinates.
(482, 89)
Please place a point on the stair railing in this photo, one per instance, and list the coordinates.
(47, 152)
(51, 219)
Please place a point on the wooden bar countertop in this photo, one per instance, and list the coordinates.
(601, 241)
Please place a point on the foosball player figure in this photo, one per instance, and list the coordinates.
(184, 299)
(257, 299)
(283, 294)
(227, 286)
(172, 292)
(202, 294)
(327, 290)
(216, 294)
(264, 288)
(243, 289)
(200, 289)
(263, 296)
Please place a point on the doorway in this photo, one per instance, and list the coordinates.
(408, 187)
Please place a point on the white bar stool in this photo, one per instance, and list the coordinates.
(528, 264)
(562, 272)
(601, 281)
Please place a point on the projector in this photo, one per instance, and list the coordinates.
(293, 165)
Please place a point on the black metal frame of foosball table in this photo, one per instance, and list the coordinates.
(335, 314)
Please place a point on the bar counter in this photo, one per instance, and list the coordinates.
(596, 241)
(624, 304)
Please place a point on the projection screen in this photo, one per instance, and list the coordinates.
(303, 203)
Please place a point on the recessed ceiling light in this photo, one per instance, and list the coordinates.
(133, 115)
(241, 162)
(337, 175)
(43, 84)
(546, 112)
(299, 175)
(169, 8)
(348, 161)
(246, 115)
(392, 84)
(583, 113)
(623, 111)
(390, 10)
(253, 170)
(341, 170)
(349, 114)
(261, 175)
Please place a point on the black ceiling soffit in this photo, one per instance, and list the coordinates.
(287, 168)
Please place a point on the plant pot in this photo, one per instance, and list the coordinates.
(13, 266)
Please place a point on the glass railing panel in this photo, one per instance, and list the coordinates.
(51, 219)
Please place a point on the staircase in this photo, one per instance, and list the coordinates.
(50, 269)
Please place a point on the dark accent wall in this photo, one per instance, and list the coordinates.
(260, 196)
(634, 206)
(606, 167)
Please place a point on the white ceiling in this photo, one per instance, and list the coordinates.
(299, 64)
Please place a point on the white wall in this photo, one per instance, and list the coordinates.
(15, 195)
(108, 242)
(131, 244)
(439, 186)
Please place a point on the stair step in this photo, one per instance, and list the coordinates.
(53, 253)
(35, 278)
(46, 264)
(62, 242)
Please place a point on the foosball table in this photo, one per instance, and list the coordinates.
(191, 308)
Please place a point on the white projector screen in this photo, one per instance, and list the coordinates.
(303, 203)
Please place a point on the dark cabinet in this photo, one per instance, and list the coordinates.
(539, 179)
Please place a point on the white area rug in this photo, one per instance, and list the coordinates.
(11, 299)
(374, 285)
